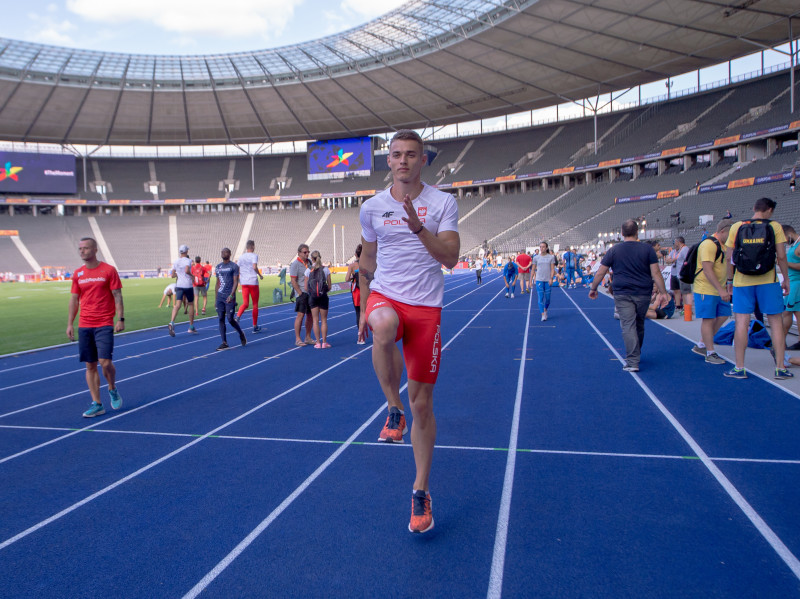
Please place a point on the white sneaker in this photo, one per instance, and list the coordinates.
(512, 296)
(506, 295)
(544, 315)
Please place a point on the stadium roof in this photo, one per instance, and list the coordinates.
(430, 62)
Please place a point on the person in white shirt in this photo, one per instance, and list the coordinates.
(407, 233)
(184, 289)
(248, 279)
(169, 295)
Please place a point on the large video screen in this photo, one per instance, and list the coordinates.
(340, 158)
(37, 173)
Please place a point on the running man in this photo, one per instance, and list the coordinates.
(225, 297)
(510, 275)
(97, 293)
(407, 233)
(184, 289)
(248, 271)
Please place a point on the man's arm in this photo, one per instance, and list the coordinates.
(216, 286)
(258, 272)
(711, 277)
(295, 286)
(233, 291)
(367, 264)
(598, 278)
(73, 312)
(783, 264)
(119, 326)
(658, 279)
(444, 246)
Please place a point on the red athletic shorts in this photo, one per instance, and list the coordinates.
(420, 330)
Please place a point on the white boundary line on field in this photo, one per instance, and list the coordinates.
(763, 528)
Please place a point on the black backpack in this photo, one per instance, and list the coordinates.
(689, 269)
(317, 283)
(754, 252)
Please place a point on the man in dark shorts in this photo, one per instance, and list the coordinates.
(97, 293)
(225, 295)
(635, 268)
(184, 289)
(297, 272)
(407, 233)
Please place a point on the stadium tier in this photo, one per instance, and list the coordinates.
(564, 207)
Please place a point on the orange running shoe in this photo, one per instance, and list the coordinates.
(421, 512)
(395, 427)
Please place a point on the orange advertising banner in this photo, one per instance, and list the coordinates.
(462, 183)
(270, 198)
(727, 140)
(75, 201)
(9, 232)
(794, 125)
(367, 192)
(215, 200)
(123, 202)
(505, 178)
(175, 201)
(16, 200)
(311, 196)
(669, 193)
(610, 162)
(742, 183)
(564, 171)
(673, 151)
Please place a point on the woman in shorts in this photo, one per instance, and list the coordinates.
(318, 282)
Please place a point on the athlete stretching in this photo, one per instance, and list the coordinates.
(407, 233)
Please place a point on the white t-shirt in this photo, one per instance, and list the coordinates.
(248, 276)
(406, 272)
(184, 280)
(169, 288)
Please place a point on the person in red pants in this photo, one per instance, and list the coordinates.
(248, 278)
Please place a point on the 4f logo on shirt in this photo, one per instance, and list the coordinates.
(423, 211)
(387, 214)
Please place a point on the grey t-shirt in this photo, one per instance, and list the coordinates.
(298, 269)
(543, 266)
(675, 269)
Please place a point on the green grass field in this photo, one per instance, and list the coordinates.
(34, 315)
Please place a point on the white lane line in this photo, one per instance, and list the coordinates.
(245, 543)
(172, 454)
(769, 535)
(155, 463)
(501, 534)
(571, 452)
(334, 303)
(166, 367)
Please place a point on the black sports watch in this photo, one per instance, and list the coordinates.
(121, 319)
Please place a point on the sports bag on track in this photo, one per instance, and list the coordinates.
(754, 252)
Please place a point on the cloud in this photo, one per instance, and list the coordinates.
(234, 18)
(49, 29)
(369, 9)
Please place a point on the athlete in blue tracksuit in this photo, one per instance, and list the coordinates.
(510, 275)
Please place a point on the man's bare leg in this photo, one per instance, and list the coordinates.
(93, 381)
(423, 430)
(386, 357)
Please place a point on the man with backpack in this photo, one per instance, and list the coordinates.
(754, 247)
(705, 263)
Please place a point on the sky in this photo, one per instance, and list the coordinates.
(183, 26)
